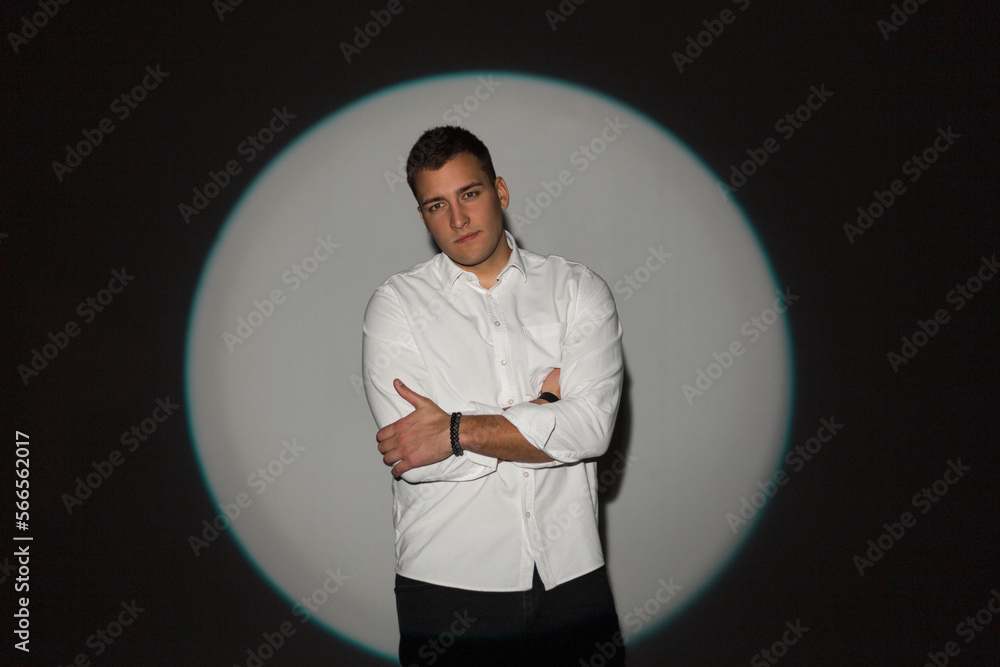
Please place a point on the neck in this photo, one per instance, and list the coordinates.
(488, 271)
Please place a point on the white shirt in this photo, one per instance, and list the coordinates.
(472, 522)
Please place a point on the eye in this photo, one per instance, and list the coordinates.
(471, 194)
(434, 207)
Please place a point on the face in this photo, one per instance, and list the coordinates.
(463, 212)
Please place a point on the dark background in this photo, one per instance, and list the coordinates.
(62, 240)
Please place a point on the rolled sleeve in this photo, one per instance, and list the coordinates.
(579, 426)
(536, 423)
(389, 352)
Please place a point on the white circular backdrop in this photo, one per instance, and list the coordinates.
(280, 422)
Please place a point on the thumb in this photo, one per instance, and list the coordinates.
(411, 397)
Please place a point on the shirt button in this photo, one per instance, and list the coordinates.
(503, 362)
(496, 322)
(527, 514)
(489, 296)
(510, 401)
(525, 473)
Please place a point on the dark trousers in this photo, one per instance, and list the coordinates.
(571, 625)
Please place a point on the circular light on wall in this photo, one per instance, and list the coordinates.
(280, 421)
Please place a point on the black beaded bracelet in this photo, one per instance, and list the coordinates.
(455, 447)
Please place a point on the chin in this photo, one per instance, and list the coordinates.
(467, 260)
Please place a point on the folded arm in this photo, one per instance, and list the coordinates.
(389, 352)
(423, 437)
(579, 426)
(414, 436)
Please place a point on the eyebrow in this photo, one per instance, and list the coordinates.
(460, 191)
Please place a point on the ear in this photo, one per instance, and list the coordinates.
(502, 193)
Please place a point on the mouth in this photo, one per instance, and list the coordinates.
(467, 237)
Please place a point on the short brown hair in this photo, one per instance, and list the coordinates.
(439, 145)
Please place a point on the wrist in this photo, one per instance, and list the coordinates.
(473, 431)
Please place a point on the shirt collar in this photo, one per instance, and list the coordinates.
(451, 272)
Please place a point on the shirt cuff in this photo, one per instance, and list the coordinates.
(535, 422)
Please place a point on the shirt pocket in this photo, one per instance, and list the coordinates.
(544, 346)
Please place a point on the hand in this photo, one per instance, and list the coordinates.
(551, 383)
(420, 438)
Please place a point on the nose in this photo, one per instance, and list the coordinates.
(459, 216)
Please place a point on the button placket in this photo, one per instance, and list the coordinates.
(501, 347)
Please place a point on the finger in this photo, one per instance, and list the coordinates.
(411, 397)
(390, 451)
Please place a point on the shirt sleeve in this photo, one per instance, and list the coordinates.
(580, 424)
(389, 351)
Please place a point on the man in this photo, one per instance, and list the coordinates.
(494, 375)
